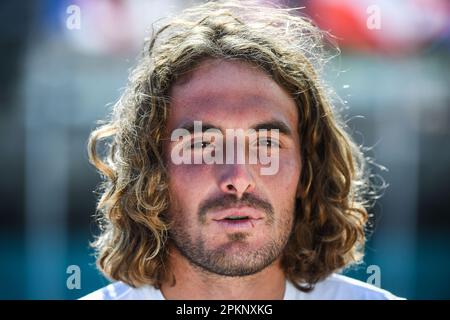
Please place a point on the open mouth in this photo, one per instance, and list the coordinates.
(238, 222)
(241, 218)
(236, 218)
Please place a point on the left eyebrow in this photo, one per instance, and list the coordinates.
(274, 124)
(266, 125)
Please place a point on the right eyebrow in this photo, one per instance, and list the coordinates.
(189, 126)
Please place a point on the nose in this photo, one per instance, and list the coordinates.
(236, 179)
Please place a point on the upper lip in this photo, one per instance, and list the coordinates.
(244, 211)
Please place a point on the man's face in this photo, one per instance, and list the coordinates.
(207, 198)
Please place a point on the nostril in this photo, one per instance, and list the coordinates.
(230, 187)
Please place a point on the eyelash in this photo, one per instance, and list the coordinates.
(273, 143)
(202, 142)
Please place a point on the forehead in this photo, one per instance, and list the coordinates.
(231, 94)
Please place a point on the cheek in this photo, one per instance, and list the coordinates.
(288, 174)
(188, 184)
(282, 187)
(188, 176)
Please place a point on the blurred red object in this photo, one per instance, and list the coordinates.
(393, 27)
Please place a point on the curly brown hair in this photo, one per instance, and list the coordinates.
(331, 215)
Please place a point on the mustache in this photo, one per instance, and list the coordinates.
(229, 201)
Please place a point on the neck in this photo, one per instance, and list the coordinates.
(194, 283)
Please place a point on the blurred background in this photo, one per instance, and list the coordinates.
(63, 63)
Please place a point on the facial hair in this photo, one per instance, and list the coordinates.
(221, 260)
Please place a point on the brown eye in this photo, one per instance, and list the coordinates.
(268, 142)
(200, 145)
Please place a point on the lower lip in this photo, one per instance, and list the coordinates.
(244, 224)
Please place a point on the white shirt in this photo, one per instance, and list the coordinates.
(334, 287)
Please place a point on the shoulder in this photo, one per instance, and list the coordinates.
(122, 291)
(339, 287)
